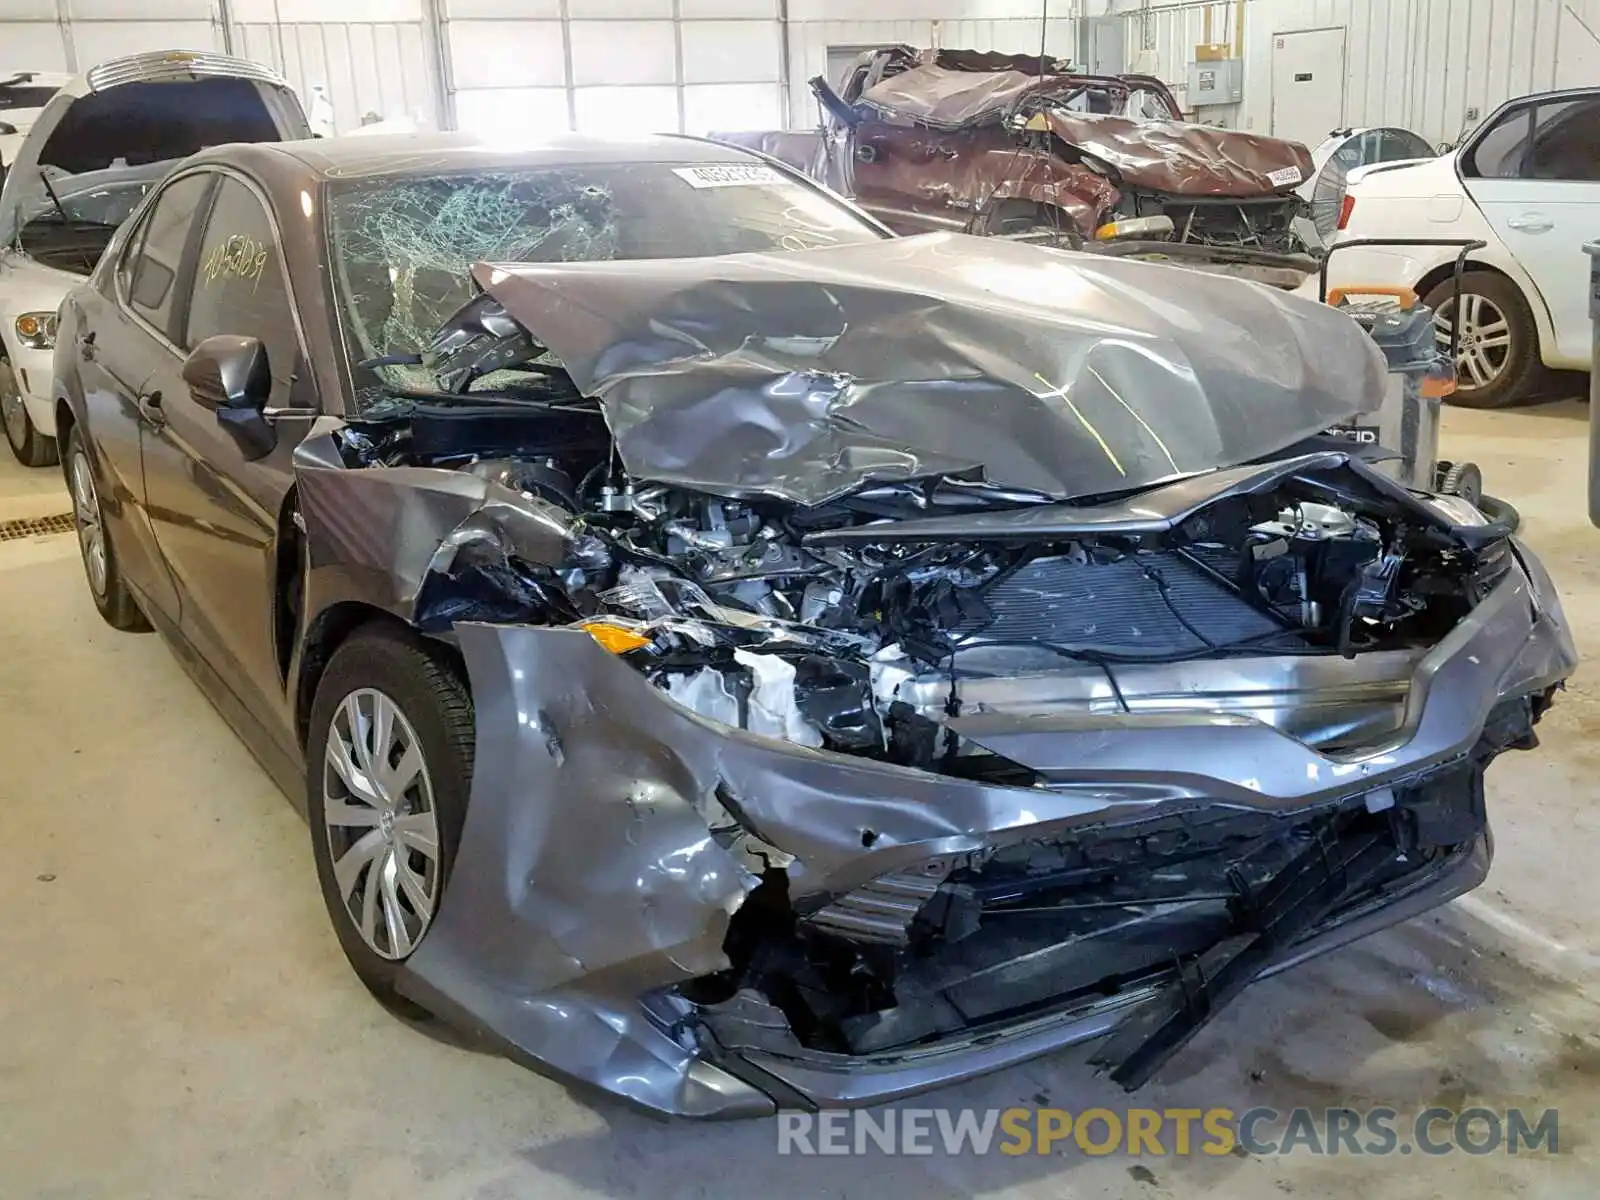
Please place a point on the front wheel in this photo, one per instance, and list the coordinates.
(1498, 351)
(32, 448)
(387, 773)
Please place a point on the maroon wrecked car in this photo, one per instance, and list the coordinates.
(1022, 146)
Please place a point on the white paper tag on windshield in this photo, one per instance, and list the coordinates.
(715, 175)
(1287, 177)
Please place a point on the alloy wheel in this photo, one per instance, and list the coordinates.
(1485, 347)
(380, 820)
(91, 530)
(12, 410)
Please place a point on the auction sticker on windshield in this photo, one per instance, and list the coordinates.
(717, 175)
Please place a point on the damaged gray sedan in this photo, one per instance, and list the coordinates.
(741, 660)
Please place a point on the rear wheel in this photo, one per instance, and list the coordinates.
(387, 772)
(1498, 355)
(110, 594)
(30, 446)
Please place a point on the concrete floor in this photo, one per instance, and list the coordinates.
(178, 1021)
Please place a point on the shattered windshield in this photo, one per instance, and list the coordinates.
(403, 247)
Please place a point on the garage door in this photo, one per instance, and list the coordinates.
(373, 61)
(51, 35)
(518, 68)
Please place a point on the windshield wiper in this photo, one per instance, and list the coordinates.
(56, 200)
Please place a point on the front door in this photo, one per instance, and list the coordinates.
(1534, 171)
(216, 513)
(1307, 84)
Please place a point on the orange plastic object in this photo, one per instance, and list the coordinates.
(1407, 297)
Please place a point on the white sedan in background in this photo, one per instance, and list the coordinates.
(1527, 183)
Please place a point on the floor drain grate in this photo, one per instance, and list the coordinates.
(11, 531)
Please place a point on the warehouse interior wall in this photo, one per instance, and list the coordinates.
(73, 35)
(516, 68)
(1434, 66)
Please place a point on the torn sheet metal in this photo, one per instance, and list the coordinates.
(387, 530)
(591, 874)
(946, 97)
(804, 376)
(964, 173)
(1185, 159)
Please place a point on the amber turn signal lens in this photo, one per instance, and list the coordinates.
(615, 638)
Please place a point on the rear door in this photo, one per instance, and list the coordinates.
(122, 343)
(215, 513)
(1534, 170)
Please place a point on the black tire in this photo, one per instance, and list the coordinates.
(1520, 368)
(32, 448)
(421, 681)
(106, 587)
(1464, 480)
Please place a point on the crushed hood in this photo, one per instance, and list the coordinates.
(807, 375)
(1190, 160)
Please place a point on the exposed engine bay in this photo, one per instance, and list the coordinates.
(803, 623)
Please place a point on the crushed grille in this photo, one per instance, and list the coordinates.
(12, 531)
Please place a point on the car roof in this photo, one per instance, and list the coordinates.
(371, 155)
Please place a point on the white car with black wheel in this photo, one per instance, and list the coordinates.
(99, 143)
(1527, 184)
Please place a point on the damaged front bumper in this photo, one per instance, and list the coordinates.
(612, 835)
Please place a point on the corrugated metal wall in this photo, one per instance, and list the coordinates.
(373, 60)
(69, 35)
(1423, 64)
(517, 66)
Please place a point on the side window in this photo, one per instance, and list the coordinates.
(1566, 142)
(239, 283)
(1498, 153)
(155, 253)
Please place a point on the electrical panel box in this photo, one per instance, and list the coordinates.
(1218, 81)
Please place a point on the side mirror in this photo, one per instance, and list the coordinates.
(230, 376)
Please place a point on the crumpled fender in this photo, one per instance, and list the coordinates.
(377, 534)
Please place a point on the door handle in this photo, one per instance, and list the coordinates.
(1532, 223)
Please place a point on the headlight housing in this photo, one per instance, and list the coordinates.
(37, 330)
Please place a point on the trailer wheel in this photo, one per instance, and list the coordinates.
(1462, 479)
